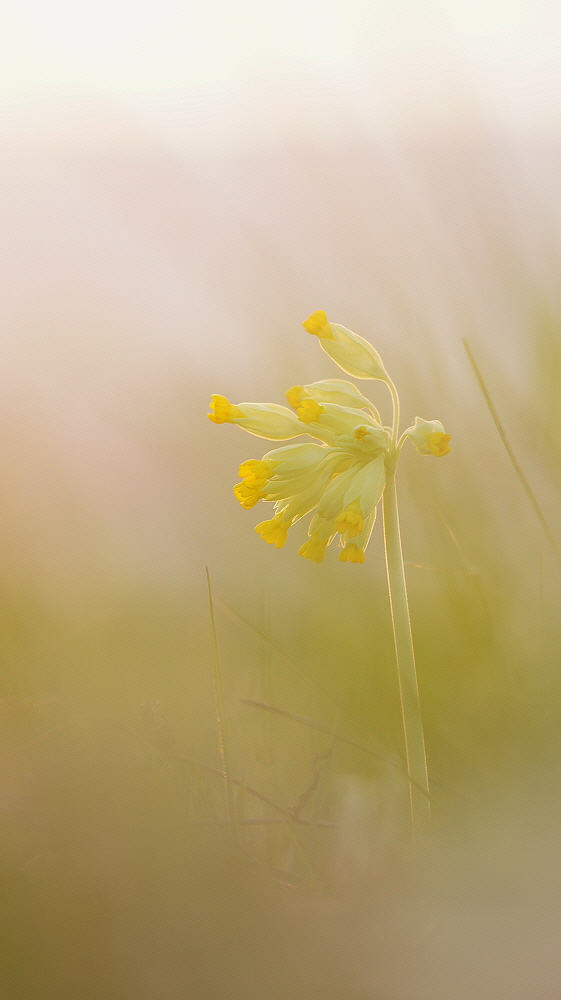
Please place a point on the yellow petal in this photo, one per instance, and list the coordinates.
(314, 548)
(309, 411)
(438, 443)
(350, 521)
(318, 325)
(295, 396)
(351, 554)
(274, 532)
(222, 411)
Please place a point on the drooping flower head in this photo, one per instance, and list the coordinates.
(342, 477)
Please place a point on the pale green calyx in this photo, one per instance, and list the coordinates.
(428, 437)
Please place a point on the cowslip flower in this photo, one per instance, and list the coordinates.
(341, 476)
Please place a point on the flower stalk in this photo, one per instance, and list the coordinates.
(413, 734)
(415, 754)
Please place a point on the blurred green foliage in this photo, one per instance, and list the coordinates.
(122, 876)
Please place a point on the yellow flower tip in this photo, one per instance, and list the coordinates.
(351, 554)
(350, 520)
(314, 548)
(360, 433)
(274, 532)
(255, 475)
(222, 411)
(309, 411)
(319, 326)
(247, 497)
(246, 468)
(347, 527)
(295, 396)
(254, 471)
(438, 443)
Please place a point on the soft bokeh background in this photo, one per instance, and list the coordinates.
(179, 187)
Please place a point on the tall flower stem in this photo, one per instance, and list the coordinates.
(407, 675)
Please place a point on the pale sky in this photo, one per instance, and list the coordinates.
(389, 63)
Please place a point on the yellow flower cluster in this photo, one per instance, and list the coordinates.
(342, 478)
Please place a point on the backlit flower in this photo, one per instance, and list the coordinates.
(352, 353)
(342, 477)
(429, 438)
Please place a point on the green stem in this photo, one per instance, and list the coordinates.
(406, 672)
(395, 422)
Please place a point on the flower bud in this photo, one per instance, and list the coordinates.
(352, 353)
(429, 438)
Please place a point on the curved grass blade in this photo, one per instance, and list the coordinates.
(515, 463)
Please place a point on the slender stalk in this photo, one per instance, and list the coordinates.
(407, 675)
(515, 463)
(395, 402)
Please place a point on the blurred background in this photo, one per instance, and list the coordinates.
(180, 186)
